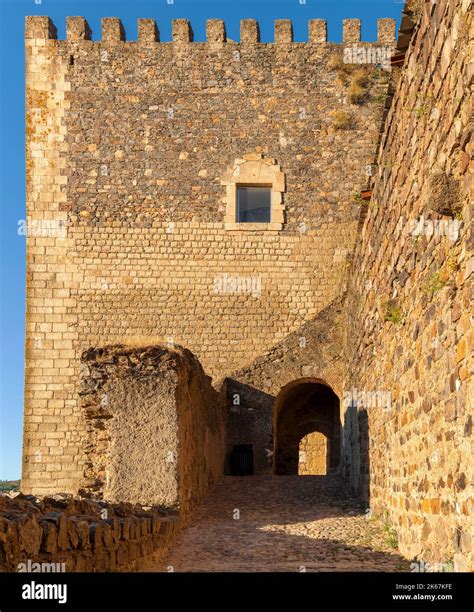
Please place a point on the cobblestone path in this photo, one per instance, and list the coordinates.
(282, 523)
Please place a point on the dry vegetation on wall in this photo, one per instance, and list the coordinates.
(444, 195)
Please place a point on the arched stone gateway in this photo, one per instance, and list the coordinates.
(312, 354)
(313, 454)
(305, 407)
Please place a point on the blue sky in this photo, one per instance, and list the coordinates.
(12, 180)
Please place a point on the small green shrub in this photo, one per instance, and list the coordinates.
(392, 539)
(447, 566)
(434, 283)
(420, 111)
(393, 313)
(391, 534)
(380, 97)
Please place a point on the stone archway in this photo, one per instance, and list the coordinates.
(305, 407)
(313, 454)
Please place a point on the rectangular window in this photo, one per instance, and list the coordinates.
(253, 204)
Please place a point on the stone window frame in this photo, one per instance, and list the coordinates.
(256, 171)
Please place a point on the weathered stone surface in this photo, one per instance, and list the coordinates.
(122, 151)
(124, 154)
(82, 543)
(285, 524)
(420, 447)
(155, 406)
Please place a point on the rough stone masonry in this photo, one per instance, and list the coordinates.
(137, 149)
(130, 144)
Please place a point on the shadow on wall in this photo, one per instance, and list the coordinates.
(311, 354)
(249, 423)
(355, 456)
(304, 407)
(265, 431)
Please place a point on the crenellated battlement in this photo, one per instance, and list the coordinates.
(113, 32)
(352, 266)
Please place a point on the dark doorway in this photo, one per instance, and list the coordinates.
(307, 429)
(241, 460)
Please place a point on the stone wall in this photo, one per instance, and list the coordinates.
(128, 144)
(303, 408)
(156, 431)
(313, 455)
(311, 354)
(408, 321)
(80, 535)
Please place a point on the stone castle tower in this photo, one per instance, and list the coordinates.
(216, 196)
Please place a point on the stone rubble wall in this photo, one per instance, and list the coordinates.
(82, 534)
(409, 326)
(156, 430)
(128, 144)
